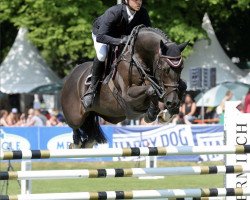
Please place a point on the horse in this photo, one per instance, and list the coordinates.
(146, 72)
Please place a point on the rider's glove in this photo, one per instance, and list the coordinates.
(124, 40)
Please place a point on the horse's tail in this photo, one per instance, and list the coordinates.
(93, 129)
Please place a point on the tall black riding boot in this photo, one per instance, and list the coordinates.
(97, 71)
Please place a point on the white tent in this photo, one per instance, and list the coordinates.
(24, 69)
(209, 54)
(245, 79)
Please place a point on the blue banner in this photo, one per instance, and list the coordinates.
(23, 138)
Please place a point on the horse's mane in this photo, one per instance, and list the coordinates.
(157, 31)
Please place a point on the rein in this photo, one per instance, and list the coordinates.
(135, 62)
(174, 62)
(159, 90)
(143, 71)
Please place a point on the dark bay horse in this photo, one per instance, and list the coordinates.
(148, 71)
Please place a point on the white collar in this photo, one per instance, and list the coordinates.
(130, 13)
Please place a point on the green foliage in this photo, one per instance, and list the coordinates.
(61, 29)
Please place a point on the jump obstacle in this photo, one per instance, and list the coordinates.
(124, 152)
(178, 194)
(134, 194)
(118, 173)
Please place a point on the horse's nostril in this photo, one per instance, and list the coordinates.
(168, 104)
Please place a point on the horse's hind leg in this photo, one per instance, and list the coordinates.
(77, 139)
(88, 134)
(80, 139)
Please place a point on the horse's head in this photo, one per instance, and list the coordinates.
(168, 71)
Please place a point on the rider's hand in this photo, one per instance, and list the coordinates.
(124, 40)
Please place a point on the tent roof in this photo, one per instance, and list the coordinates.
(24, 69)
(208, 54)
(245, 79)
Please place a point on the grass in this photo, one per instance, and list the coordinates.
(80, 185)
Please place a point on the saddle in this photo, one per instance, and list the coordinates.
(110, 64)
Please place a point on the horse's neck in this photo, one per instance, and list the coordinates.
(147, 47)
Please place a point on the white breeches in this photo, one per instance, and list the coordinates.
(101, 49)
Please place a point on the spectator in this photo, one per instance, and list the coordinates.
(221, 108)
(32, 119)
(21, 120)
(53, 121)
(38, 113)
(13, 117)
(247, 103)
(3, 117)
(58, 115)
(180, 119)
(188, 108)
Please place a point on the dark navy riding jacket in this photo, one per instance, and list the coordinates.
(113, 24)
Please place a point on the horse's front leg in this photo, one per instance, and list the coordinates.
(143, 98)
(153, 109)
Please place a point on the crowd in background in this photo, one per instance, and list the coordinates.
(189, 113)
(34, 117)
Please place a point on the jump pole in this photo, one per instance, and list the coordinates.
(119, 152)
(115, 173)
(134, 194)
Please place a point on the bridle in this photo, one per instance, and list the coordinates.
(175, 63)
(155, 81)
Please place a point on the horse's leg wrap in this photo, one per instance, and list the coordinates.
(151, 113)
(88, 98)
(153, 109)
(79, 139)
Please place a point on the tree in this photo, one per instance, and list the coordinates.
(61, 29)
(181, 20)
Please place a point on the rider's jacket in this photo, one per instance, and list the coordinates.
(114, 24)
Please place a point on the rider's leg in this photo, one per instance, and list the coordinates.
(97, 71)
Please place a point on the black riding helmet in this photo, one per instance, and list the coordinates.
(125, 3)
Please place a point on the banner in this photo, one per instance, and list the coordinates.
(212, 135)
(237, 129)
(169, 135)
(21, 138)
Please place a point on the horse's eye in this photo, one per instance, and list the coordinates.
(166, 69)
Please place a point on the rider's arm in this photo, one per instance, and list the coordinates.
(109, 20)
(145, 17)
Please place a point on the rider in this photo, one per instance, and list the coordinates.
(108, 29)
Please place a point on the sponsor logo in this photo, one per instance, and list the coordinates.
(10, 141)
(60, 142)
(211, 139)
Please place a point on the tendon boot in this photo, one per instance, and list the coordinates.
(151, 113)
(97, 71)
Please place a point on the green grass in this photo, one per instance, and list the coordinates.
(80, 185)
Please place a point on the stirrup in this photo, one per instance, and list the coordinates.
(90, 93)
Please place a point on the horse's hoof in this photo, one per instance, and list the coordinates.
(75, 146)
(149, 119)
(165, 117)
(89, 144)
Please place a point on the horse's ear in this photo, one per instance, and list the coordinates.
(163, 47)
(183, 46)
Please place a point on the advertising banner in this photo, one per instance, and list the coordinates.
(21, 138)
(237, 132)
